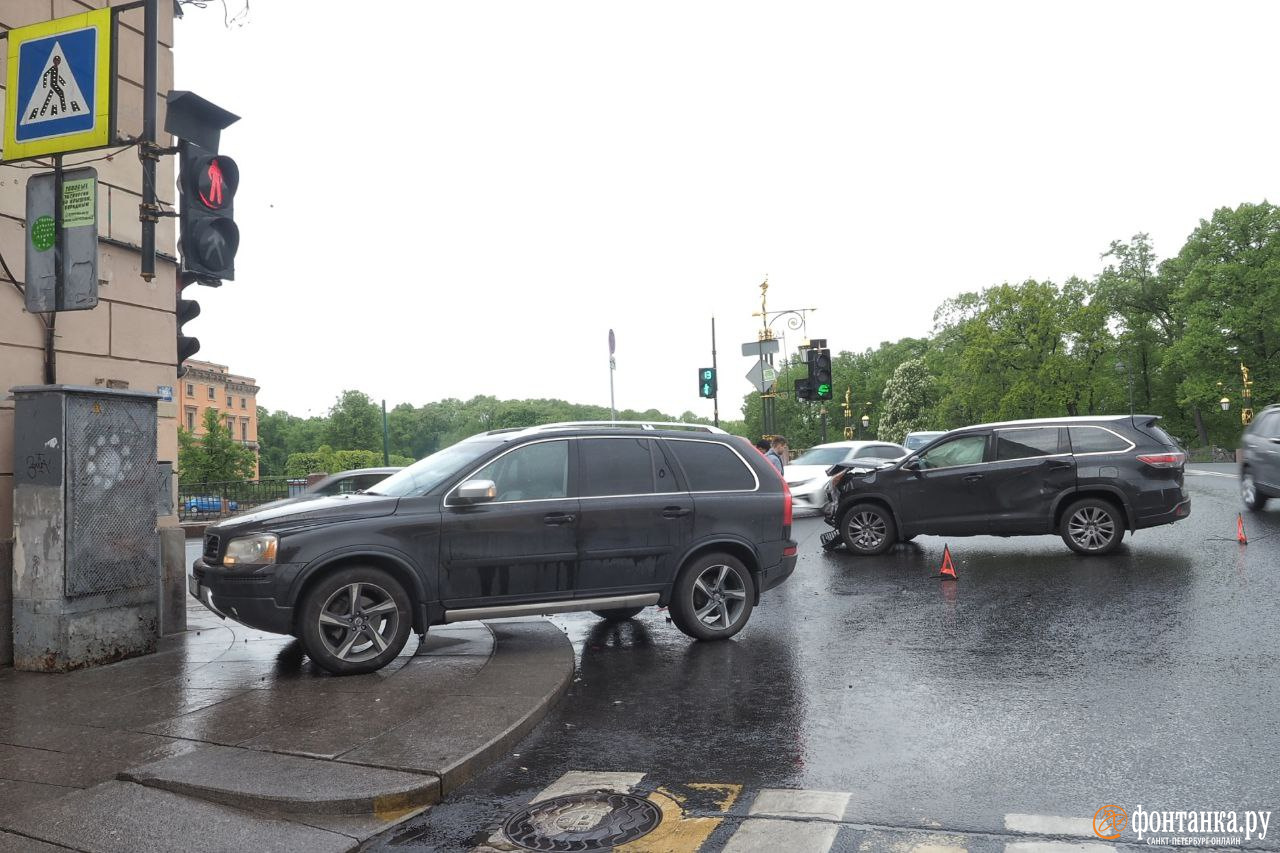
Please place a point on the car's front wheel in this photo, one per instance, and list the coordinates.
(355, 620)
(868, 529)
(1092, 526)
(1253, 499)
(713, 597)
(617, 614)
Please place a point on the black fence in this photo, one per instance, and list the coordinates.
(209, 501)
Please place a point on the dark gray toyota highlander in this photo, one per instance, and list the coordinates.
(610, 518)
(1087, 479)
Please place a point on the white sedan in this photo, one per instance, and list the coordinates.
(806, 475)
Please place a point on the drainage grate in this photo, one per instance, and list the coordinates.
(581, 822)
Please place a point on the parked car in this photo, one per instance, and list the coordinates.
(355, 480)
(1260, 459)
(1087, 479)
(917, 440)
(610, 518)
(807, 476)
(208, 503)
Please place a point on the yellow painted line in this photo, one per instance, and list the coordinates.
(677, 833)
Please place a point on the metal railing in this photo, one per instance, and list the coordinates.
(211, 501)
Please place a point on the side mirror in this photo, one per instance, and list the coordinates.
(476, 491)
(912, 464)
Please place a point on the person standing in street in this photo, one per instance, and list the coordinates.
(777, 454)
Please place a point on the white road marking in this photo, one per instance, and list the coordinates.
(760, 835)
(585, 781)
(1212, 474)
(781, 802)
(1044, 824)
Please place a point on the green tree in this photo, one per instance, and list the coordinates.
(355, 423)
(214, 456)
(908, 401)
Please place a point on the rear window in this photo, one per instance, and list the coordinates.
(1088, 439)
(615, 466)
(712, 467)
(1159, 435)
(1027, 443)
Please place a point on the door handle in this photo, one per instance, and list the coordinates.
(675, 512)
(1057, 466)
(558, 518)
(973, 478)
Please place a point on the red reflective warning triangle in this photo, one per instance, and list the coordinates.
(1240, 537)
(948, 571)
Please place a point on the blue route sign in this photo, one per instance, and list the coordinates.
(58, 92)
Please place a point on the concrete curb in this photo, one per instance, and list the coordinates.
(286, 784)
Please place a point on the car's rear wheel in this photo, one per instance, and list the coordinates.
(713, 597)
(617, 614)
(868, 529)
(1092, 526)
(355, 620)
(1253, 499)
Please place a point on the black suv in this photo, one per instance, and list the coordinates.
(610, 518)
(1260, 459)
(1085, 478)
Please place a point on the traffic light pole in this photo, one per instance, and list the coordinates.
(715, 398)
(149, 210)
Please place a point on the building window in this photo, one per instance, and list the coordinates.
(228, 401)
(244, 429)
(191, 390)
(242, 402)
(191, 420)
(211, 397)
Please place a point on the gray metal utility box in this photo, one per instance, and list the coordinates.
(86, 554)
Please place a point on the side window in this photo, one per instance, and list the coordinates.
(965, 450)
(615, 466)
(1270, 426)
(533, 472)
(1088, 439)
(710, 466)
(1027, 443)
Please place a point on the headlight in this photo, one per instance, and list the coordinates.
(251, 549)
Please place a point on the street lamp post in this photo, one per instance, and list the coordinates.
(866, 424)
(795, 320)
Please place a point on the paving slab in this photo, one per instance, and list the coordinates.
(285, 783)
(10, 843)
(231, 720)
(121, 817)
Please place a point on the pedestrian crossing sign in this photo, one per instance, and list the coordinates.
(58, 87)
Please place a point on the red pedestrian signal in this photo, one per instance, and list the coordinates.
(209, 237)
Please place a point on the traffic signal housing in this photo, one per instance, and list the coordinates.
(707, 382)
(187, 310)
(209, 237)
(805, 388)
(820, 374)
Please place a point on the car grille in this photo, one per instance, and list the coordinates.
(211, 544)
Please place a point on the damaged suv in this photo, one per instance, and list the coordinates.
(1088, 479)
(610, 518)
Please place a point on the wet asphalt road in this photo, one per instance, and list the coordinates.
(1041, 682)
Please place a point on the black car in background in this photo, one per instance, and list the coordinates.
(1260, 459)
(1087, 479)
(610, 518)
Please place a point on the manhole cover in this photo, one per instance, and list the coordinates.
(597, 821)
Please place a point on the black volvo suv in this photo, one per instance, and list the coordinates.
(1087, 479)
(609, 518)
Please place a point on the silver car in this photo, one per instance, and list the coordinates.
(1260, 459)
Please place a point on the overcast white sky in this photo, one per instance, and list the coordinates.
(449, 199)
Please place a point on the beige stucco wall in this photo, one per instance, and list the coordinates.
(129, 337)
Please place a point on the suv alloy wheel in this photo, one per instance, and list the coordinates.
(1254, 500)
(868, 529)
(713, 597)
(1092, 526)
(355, 620)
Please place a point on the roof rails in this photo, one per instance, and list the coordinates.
(647, 425)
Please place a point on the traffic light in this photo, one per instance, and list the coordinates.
(187, 310)
(804, 389)
(707, 382)
(820, 374)
(207, 184)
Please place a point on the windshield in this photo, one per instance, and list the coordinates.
(824, 456)
(425, 474)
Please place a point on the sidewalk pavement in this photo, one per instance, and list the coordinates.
(230, 739)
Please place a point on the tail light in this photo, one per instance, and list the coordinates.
(786, 505)
(1163, 460)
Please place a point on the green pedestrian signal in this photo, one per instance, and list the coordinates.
(707, 382)
(820, 370)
